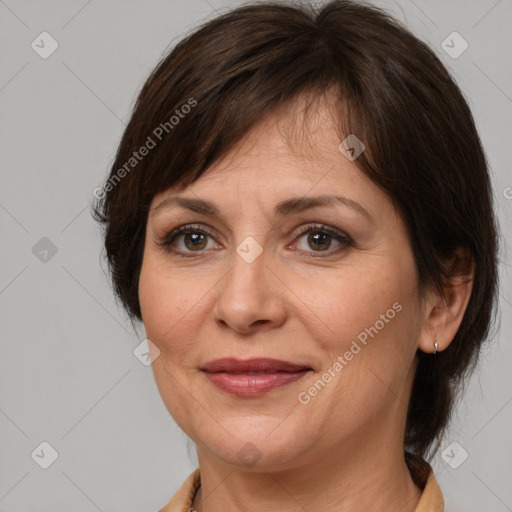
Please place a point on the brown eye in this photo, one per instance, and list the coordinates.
(187, 240)
(319, 238)
(195, 241)
(319, 241)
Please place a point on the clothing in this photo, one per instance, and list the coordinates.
(431, 499)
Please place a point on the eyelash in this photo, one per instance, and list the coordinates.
(344, 239)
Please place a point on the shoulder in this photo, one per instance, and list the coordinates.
(182, 500)
(431, 498)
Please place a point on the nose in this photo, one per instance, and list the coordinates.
(250, 297)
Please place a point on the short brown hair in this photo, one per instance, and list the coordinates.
(422, 149)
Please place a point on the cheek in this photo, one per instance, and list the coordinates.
(362, 301)
(373, 322)
(379, 324)
(168, 305)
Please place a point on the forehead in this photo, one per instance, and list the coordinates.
(297, 141)
(306, 127)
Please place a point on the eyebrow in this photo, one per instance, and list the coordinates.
(287, 207)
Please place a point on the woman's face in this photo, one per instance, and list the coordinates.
(327, 289)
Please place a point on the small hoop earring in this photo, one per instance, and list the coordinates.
(435, 347)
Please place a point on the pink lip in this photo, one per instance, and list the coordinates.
(252, 377)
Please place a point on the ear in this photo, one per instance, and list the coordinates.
(444, 310)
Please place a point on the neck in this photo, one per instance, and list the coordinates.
(373, 478)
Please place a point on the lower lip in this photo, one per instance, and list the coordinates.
(247, 385)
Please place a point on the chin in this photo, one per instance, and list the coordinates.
(261, 448)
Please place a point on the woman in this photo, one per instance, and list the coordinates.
(300, 214)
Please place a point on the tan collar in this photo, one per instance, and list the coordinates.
(182, 500)
(431, 498)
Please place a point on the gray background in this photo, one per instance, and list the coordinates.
(68, 375)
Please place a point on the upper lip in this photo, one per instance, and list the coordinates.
(264, 365)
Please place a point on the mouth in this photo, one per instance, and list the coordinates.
(252, 377)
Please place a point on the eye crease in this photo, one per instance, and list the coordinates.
(195, 239)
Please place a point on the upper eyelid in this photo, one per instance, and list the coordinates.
(304, 229)
(193, 226)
